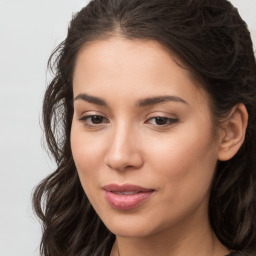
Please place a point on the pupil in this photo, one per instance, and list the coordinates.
(161, 120)
(97, 119)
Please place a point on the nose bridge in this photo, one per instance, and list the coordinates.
(123, 148)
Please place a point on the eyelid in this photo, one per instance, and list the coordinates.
(161, 114)
(85, 120)
(170, 119)
(82, 114)
(85, 117)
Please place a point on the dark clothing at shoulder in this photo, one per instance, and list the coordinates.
(242, 253)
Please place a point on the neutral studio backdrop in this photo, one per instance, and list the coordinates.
(29, 31)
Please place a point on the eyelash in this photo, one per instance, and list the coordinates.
(87, 120)
(166, 121)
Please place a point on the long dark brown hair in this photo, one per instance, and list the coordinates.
(213, 42)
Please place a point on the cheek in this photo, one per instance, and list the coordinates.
(184, 169)
(186, 158)
(86, 152)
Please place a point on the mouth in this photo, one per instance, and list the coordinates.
(127, 196)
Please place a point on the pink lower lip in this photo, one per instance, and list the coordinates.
(126, 202)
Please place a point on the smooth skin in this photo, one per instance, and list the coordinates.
(125, 130)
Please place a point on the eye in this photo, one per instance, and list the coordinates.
(161, 121)
(93, 120)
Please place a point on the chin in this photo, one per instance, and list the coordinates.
(132, 226)
(138, 232)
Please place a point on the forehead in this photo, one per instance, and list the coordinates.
(124, 66)
(120, 51)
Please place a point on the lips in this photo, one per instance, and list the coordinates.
(127, 196)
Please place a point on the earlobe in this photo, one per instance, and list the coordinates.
(233, 132)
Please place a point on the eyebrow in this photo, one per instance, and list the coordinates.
(140, 103)
(159, 99)
(91, 99)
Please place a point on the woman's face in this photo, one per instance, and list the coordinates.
(142, 138)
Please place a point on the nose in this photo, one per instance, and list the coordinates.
(124, 150)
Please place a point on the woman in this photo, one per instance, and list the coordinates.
(151, 120)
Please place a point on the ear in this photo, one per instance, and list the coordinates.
(232, 134)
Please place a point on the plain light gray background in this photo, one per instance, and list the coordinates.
(29, 31)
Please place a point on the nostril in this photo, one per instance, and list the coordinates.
(130, 162)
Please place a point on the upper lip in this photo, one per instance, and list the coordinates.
(126, 188)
